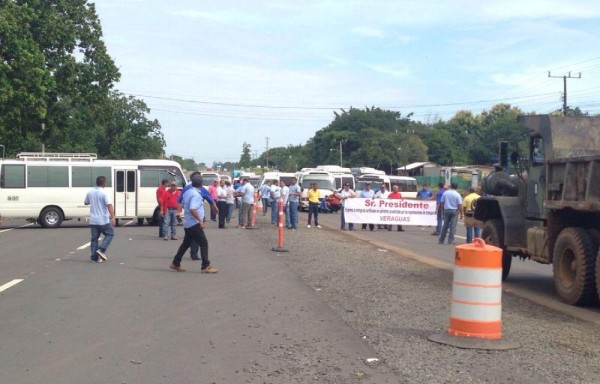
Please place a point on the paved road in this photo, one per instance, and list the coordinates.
(132, 320)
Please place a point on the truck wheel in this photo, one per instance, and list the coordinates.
(155, 217)
(51, 217)
(140, 221)
(595, 235)
(493, 234)
(574, 264)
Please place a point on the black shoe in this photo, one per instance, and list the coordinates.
(400, 230)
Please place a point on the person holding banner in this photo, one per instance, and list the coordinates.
(394, 195)
(367, 193)
(382, 194)
(346, 193)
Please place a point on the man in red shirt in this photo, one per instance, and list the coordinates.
(159, 198)
(170, 210)
(212, 191)
(395, 195)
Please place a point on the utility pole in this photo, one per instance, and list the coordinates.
(565, 77)
(267, 152)
(341, 151)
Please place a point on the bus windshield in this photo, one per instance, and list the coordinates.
(321, 184)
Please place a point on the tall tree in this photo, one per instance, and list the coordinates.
(245, 158)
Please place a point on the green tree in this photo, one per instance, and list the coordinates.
(245, 158)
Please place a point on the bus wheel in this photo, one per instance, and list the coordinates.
(140, 221)
(51, 217)
(574, 264)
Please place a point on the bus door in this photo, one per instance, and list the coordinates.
(125, 192)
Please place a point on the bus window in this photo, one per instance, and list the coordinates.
(120, 181)
(47, 177)
(13, 176)
(86, 176)
(131, 181)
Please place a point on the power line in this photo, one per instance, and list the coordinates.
(565, 77)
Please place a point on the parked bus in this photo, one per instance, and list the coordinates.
(406, 185)
(276, 177)
(325, 185)
(49, 188)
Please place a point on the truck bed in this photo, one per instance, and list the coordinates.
(574, 183)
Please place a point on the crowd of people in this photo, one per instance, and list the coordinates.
(223, 198)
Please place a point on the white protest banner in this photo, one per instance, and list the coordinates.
(390, 211)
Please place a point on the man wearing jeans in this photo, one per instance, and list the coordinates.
(293, 200)
(102, 220)
(452, 202)
(193, 225)
(346, 193)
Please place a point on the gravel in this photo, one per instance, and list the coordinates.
(395, 303)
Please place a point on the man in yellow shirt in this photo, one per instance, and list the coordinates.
(471, 224)
(313, 204)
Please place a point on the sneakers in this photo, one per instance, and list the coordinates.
(176, 268)
(172, 238)
(96, 261)
(101, 255)
(308, 226)
(435, 234)
(166, 238)
(318, 226)
(209, 269)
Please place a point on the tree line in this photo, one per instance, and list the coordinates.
(57, 85)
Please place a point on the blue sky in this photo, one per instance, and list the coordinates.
(218, 74)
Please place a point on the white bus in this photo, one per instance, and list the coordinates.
(49, 188)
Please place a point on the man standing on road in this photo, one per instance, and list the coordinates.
(367, 193)
(346, 193)
(170, 211)
(275, 193)
(471, 224)
(222, 203)
(294, 199)
(212, 191)
(193, 224)
(452, 202)
(313, 204)
(383, 193)
(439, 209)
(102, 220)
(164, 185)
(247, 194)
(230, 200)
(395, 195)
(265, 196)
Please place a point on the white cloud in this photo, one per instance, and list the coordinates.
(368, 32)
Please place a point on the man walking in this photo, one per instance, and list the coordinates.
(193, 225)
(102, 220)
(452, 202)
(293, 201)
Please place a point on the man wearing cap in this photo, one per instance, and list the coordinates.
(193, 225)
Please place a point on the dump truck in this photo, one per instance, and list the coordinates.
(548, 209)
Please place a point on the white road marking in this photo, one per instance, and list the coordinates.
(10, 284)
(84, 246)
(10, 229)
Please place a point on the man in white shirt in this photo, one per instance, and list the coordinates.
(383, 193)
(275, 192)
(346, 193)
(222, 203)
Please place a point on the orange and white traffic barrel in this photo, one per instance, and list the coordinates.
(476, 309)
(476, 303)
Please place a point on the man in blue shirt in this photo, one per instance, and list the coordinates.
(425, 193)
(439, 209)
(102, 219)
(206, 196)
(453, 210)
(193, 224)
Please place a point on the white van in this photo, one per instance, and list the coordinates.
(325, 185)
(406, 185)
(276, 177)
(343, 178)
